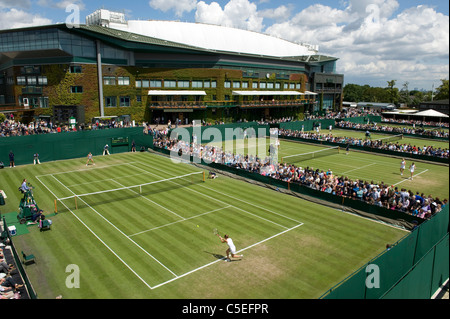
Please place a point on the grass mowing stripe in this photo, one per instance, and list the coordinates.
(281, 272)
(178, 221)
(233, 197)
(224, 203)
(146, 252)
(145, 198)
(105, 245)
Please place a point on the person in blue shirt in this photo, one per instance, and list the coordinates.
(24, 187)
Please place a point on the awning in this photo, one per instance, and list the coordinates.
(310, 93)
(173, 92)
(430, 113)
(256, 93)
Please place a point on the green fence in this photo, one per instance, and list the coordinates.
(308, 125)
(67, 145)
(414, 268)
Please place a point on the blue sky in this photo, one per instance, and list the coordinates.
(375, 40)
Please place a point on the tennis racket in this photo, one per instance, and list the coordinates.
(215, 232)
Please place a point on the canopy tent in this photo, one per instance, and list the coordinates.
(257, 93)
(430, 113)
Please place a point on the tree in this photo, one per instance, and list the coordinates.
(404, 94)
(393, 92)
(442, 91)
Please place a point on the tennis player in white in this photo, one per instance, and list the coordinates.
(412, 168)
(402, 166)
(231, 248)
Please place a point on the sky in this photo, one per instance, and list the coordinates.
(376, 41)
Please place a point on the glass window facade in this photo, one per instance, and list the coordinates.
(43, 39)
(46, 39)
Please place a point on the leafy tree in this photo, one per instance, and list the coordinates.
(393, 92)
(442, 91)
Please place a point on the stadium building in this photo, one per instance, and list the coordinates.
(159, 70)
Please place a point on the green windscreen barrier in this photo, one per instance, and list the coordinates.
(67, 145)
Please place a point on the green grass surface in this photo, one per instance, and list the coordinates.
(430, 179)
(159, 243)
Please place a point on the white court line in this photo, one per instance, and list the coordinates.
(99, 239)
(83, 169)
(175, 276)
(103, 180)
(148, 199)
(213, 198)
(235, 198)
(218, 260)
(178, 221)
(122, 233)
(355, 169)
(409, 179)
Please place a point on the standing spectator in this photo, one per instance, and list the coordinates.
(11, 159)
(36, 158)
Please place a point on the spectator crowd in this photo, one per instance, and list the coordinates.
(378, 144)
(379, 194)
(14, 128)
(413, 130)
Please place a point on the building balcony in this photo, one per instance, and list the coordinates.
(229, 104)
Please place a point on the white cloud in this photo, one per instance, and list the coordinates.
(241, 14)
(371, 38)
(15, 18)
(280, 13)
(179, 6)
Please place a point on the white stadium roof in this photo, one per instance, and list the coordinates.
(205, 36)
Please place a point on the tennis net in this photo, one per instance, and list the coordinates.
(77, 201)
(311, 155)
(392, 138)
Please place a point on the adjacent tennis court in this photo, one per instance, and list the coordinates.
(428, 177)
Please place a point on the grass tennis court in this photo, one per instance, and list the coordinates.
(420, 142)
(429, 178)
(158, 242)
